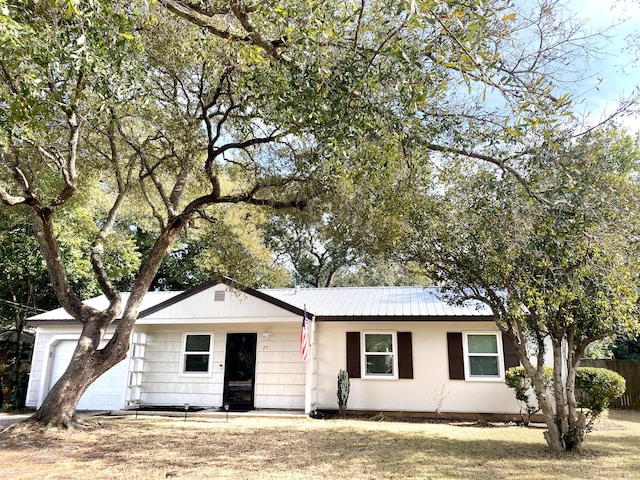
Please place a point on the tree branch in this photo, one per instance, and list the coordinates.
(205, 19)
(9, 199)
(97, 249)
(263, 202)
(502, 164)
(244, 144)
(43, 229)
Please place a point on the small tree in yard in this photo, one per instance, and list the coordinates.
(517, 379)
(595, 388)
(558, 265)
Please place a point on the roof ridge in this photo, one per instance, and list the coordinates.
(354, 287)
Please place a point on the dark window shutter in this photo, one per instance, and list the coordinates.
(509, 352)
(353, 354)
(456, 358)
(405, 355)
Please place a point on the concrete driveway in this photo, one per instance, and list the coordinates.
(7, 419)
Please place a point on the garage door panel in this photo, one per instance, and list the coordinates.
(105, 393)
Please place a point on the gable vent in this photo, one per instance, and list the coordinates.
(219, 296)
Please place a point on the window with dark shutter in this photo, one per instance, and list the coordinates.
(353, 354)
(509, 351)
(456, 356)
(405, 355)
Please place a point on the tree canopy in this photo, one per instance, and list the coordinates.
(155, 118)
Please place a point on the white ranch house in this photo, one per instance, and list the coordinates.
(406, 350)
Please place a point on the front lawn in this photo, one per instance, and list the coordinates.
(302, 448)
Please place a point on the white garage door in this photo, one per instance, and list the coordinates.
(106, 393)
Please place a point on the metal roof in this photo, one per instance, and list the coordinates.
(417, 302)
(325, 304)
(101, 303)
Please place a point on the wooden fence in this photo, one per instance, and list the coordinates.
(630, 370)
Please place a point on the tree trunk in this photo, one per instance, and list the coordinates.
(576, 420)
(553, 435)
(566, 426)
(59, 406)
(88, 361)
(549, 404)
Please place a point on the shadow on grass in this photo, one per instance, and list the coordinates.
(624, 415)
(331, 449)
(345, 451)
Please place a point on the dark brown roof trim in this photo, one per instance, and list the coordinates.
(61, 321)
(48, 321)
(211, 283)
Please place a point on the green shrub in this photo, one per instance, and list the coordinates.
(516, 378)
(595, 387)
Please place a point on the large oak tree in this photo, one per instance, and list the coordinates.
(179, 109)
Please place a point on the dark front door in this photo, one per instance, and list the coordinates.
(240, 370)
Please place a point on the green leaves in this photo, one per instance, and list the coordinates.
(596, 387)
(571, 264)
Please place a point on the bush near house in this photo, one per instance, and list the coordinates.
(595, 388)
(516, 378)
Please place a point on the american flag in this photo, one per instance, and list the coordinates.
(304, 337)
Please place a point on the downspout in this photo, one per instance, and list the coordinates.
(314, 367)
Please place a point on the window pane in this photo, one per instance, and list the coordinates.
(196, 363)
(482, 343)
(483, 366)
(198, 343)
(380, 364)
(378, 342)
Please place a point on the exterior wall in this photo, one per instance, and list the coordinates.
(43, 336)
(280, 371)
(202, 307)
(39, 377)
(282, 378)
(430, 373)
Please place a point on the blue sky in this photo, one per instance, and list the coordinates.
(615, 68)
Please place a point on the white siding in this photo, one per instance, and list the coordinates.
(162, 382)
(430, 372)
(202, 307)
(280, 371)
(43, 336)
(44, 349)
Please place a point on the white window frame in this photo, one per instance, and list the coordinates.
(184, 353)
(364, 353)
(499, 354)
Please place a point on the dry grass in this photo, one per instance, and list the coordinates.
(302, 448)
